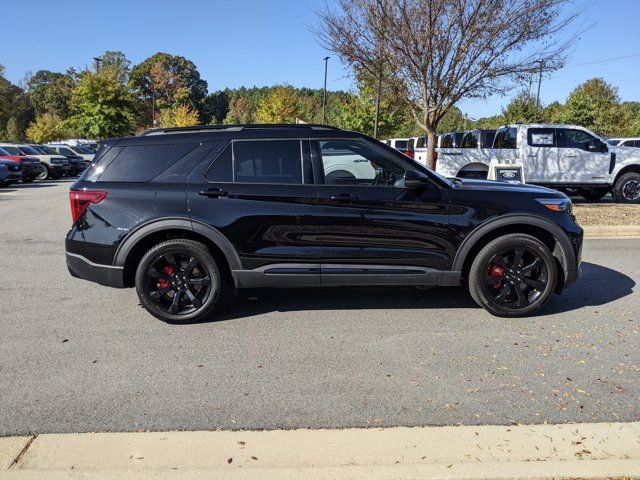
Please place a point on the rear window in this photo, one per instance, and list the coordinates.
(401, 144)
(421, 142)
(268, 161)
(137, 163)
(222, 168)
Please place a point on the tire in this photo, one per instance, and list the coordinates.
(496, 276)
(178, 255)
(592, 194)
(45, 174)
(627, 188)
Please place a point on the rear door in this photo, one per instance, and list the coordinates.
(259, 194)
(540, 156)
(374, 230)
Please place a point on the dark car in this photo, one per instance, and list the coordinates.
(30, 166)
(188, 214)
(76, 162)
(10, 172)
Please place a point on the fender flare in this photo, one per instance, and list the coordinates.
(212, 234)
(567, 254)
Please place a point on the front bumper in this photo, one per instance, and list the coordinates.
(108, 275)
(61, 170)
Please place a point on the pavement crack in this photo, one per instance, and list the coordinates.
(23, 451)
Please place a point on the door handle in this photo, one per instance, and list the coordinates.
(570, 155)
(343, 197)
(214, 193)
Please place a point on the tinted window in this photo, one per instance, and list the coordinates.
(3, 152)
(401, 144)
(487, 139)
(506, 138)
(421, 142)
(13, 150)
(541, 137)
(469, 140)
(350, 162)
(447, 141)
(222, 168)
(613, 142)
(28, 150)
(270, 161)
(142, 163)
(574, 139)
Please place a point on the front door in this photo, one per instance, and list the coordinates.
(583, 158)
(260, 195)
(374, 230)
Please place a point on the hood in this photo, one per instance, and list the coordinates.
(489, 185)
(625, 153)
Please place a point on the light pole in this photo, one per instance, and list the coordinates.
(539, 84)
(98, 61)
(324, 95)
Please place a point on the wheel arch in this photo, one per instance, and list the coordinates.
(131, 250)
(627, 169)
(549, 233)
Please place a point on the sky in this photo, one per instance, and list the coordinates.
(267, 42)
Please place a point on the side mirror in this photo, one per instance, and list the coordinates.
(415, 179)
(597, 146)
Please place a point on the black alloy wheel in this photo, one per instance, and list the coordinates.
(178, 280)
(513, 275)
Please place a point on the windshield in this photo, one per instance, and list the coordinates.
(4, 152)
(29, 151)
(38, 149)
(48, 150)
(65, 151)
(13, 150)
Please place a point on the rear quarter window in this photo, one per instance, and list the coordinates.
(137, 163)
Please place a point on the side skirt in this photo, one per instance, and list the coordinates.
(336, 275)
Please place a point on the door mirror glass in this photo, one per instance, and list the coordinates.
(415, 179)
(597, 146)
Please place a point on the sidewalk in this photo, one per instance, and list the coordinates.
(538, 451)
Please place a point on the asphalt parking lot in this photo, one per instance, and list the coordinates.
(78, 357)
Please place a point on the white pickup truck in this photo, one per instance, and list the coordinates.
(566, 157)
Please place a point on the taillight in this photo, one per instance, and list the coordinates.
(81, 199)
(409, 153)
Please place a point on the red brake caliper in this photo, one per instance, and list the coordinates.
(496, 271)
(163, 282)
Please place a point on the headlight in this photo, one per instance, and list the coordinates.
(556, 204)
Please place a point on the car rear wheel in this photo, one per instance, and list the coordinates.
(513, 276)
(627, 188)
(179, 281)
(45, 173)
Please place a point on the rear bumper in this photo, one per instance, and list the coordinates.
(108, 275)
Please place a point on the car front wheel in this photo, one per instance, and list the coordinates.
(45, 173)
(513, 276)
(179, 281)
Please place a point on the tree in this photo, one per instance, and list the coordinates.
(50, 92)
(281, 105)
(117, 62)
(162, 74)
(240, 110)
(441, 51)
(521, 109)
(215, 107)
(46, 128)
(178, 116)
(452, 121)
(101, 106)
(595, 105)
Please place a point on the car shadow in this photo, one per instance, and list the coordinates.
(599, 285)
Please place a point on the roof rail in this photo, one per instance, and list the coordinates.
(235, 128)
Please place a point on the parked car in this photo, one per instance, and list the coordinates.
(400, 144)
(628, 142)
(478, 139)
(30, 166)
(77, 163)
(10, 172)
(557, 156)
(54, 166)
(73, 151)
(185, 215)
(420, 150)
(614, 141)
(92, 145)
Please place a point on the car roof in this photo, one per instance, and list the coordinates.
(228, 132)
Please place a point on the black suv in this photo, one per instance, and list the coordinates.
(188, 214)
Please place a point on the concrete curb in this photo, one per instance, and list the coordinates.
(522, 452)
(626, 231)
